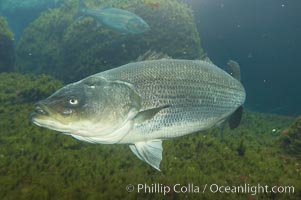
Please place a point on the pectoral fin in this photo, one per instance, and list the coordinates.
(149, 152)
(148, 114)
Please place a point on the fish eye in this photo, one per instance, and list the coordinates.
(73, 101)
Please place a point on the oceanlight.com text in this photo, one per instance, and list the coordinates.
(212, 188)
(250, 189)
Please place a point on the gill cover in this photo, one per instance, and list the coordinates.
(122, 104)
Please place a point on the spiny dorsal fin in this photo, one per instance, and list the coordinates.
(233, 69)
(152, 55)
(205, 58)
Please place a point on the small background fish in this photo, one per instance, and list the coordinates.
(117, 19)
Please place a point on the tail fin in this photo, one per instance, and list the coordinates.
(81, 10)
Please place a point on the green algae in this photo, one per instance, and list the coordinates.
(4, 29)
(36, 163)
(58, 42)
(291, 139)
(18, 88)
(7, 49)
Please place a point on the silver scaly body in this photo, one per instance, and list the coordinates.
(199, 94)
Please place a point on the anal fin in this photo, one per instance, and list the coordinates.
(149, 152)
(235, 118)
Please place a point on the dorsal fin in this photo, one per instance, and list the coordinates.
(205, 58)
(233, 69)
(152, 55)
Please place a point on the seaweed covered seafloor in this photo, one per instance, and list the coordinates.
(36, 163)
(58, 42)
(291, 139)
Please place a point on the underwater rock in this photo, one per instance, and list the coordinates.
(291, 139)
(58, 43)
(7, 50)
